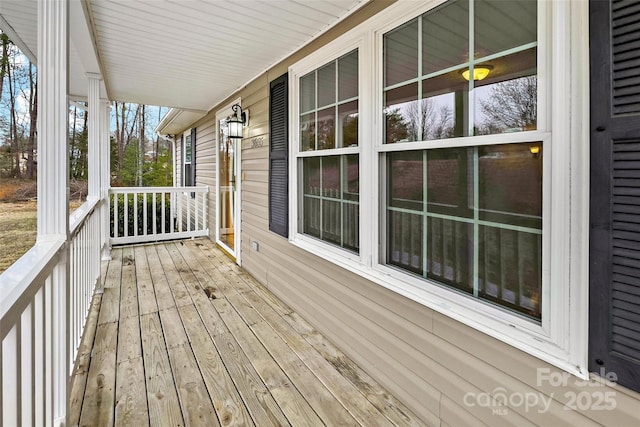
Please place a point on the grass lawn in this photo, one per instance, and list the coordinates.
(18, 226)
(17, 231)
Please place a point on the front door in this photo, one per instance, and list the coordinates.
(228, 187)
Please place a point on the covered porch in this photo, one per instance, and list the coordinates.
(182, 336)
(59, 370)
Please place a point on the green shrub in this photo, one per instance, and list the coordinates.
(140, 214)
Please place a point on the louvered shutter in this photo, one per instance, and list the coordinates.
(279, 156)
(183, 178)
(614, 338)
(192, 167)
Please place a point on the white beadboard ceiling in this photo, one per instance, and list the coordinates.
(186, 54)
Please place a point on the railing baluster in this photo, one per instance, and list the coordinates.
(10, 351)
(115, 215)
(163, 215)
(204, 210)
(188, 214)
(135, 214)
(195, 200)
(144, 213)
(38, 358)
(125, 224)
(154, 214)
(179, 197)
(26, 367)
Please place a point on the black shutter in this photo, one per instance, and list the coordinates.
(183, 164)
(279, 156)
(614, 330)
(193, 160)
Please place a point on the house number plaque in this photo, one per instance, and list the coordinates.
(257, 142)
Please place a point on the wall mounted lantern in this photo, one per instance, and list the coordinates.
(236, 122)
(479, 73)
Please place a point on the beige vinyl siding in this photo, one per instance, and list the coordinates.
(206, 165)
(426, 359)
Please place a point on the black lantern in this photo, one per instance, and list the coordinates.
(236, 122)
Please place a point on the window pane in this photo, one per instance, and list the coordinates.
(450, 181)
(445, 36)
(311, 192)
(312, 217)
(510, 269)
(448, 241)
(308, 132)
(444, 106)
(330, 199)
(327, 85)
(405, 241)
(351, 188)
(400, 124)
(308, 92)
(327, 128)
(450, 252)
(510, 184)
(401, 54)
(504, 24)
(348, 122)
(331, 176)
(507, 100)
(311, 175)
(331, 221)
(348, 76)
(405, 188)
(351, 224)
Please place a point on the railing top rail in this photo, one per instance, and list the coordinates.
(123, 190)
(20, 282)
(81, 215)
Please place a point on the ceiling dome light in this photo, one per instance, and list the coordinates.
(479, 73)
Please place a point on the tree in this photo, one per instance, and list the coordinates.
(131, 167)
(17, 119)
(78, 145)
(33, 115)
(429, 121)
(396, 128)
(13, 127)
(5, 60)
(512, 104)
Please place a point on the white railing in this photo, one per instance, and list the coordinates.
(150, 214)
(44, 300)
(30, 293)
(84, 267)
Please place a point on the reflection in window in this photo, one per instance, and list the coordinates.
(507, 106)
(483, 238)
(330, 195)
(329, 111)
(440, 97)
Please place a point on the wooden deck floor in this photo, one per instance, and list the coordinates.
(182, 336)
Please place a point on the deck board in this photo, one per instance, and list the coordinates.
(184, 337)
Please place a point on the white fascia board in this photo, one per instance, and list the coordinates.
(17, 40)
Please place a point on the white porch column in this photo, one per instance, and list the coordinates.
(94, 143)
(105, 176)
(53, 195)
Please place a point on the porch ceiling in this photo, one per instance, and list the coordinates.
(185, 54)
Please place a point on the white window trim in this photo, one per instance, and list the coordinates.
(561, 338)
(222, 114)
